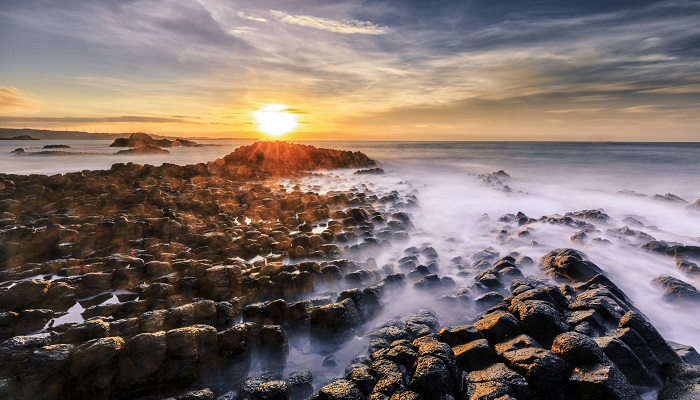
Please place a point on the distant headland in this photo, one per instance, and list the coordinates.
(46, 134)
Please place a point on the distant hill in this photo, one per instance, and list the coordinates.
(58, 135)
(20, 137)
(45, 134)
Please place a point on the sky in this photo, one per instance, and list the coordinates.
(626, 70)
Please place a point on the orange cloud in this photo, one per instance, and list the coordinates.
(13, 98)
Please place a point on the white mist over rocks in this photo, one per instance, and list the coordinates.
(464, 211)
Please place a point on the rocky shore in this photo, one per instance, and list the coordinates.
(234, 279)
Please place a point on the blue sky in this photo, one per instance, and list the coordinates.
(397, 70)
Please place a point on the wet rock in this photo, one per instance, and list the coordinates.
(300, 385)
(475, 355)
(272, 390)
(24, 295)
(682, 382)
(626, 361)
(458, 335)
(140, 362)
(488, 300)
(362, 376)
(390, 378)
(651, 336)
(498, 326)
(340, 390)
(42, 375)
(495, 382)
(334, 323)
(569, 264)
(596, 381)
(543, 369)
(675, 289)
(93, 367)
(540, 319)
(687, 353)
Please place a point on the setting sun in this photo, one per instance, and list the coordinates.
(274, 120)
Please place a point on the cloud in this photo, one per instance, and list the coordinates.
(245, 16)
(84, 120)
(331, 25)
(13, 98)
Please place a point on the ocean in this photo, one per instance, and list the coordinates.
(463, 211)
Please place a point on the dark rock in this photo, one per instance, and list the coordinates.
(330, 361)
(475, 355)
(94, 366)
(340, 390)
(687, 353)
(543, 369)
(676, 290)
(362, 376)
(498, 326)
(457, 335)
(651, 336)
(540, 319)
(300, 385)
(596, 381)
(682, 382)
(334, 323)
(272, 390)
(495, 382)
(569, 264)
(626, 361)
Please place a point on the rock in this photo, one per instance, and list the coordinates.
(570, 264)
(42, 375)
(140, 362)
(540, 319)
(362, 376)
(651, 336)
(272, 390)
(330, 361)
(300, 385)
(475, 355)
(94, 366)
(24, 295)
(340, 390)
(334, 323)
(390, 379)
(627, 361)
(682, 382)
(498, 326)
(577, 349)
(495, 382)
(687, 353)
(596, 381)
(543, 369)
(457, 335)
(144, 149)
(675, 289)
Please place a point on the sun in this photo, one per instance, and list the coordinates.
(274, 120)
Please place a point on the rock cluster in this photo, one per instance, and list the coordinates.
(582, 339)
(152, 263)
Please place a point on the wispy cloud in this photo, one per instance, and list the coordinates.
(90, 120)
(331, 25)
(13, 98)
(245, 16)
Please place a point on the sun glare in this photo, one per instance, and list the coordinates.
(274, 120)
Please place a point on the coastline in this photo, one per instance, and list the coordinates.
(234, 260)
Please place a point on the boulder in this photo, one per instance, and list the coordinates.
(495, 382)
(569, 264)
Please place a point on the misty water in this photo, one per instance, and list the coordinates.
(546, 179)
